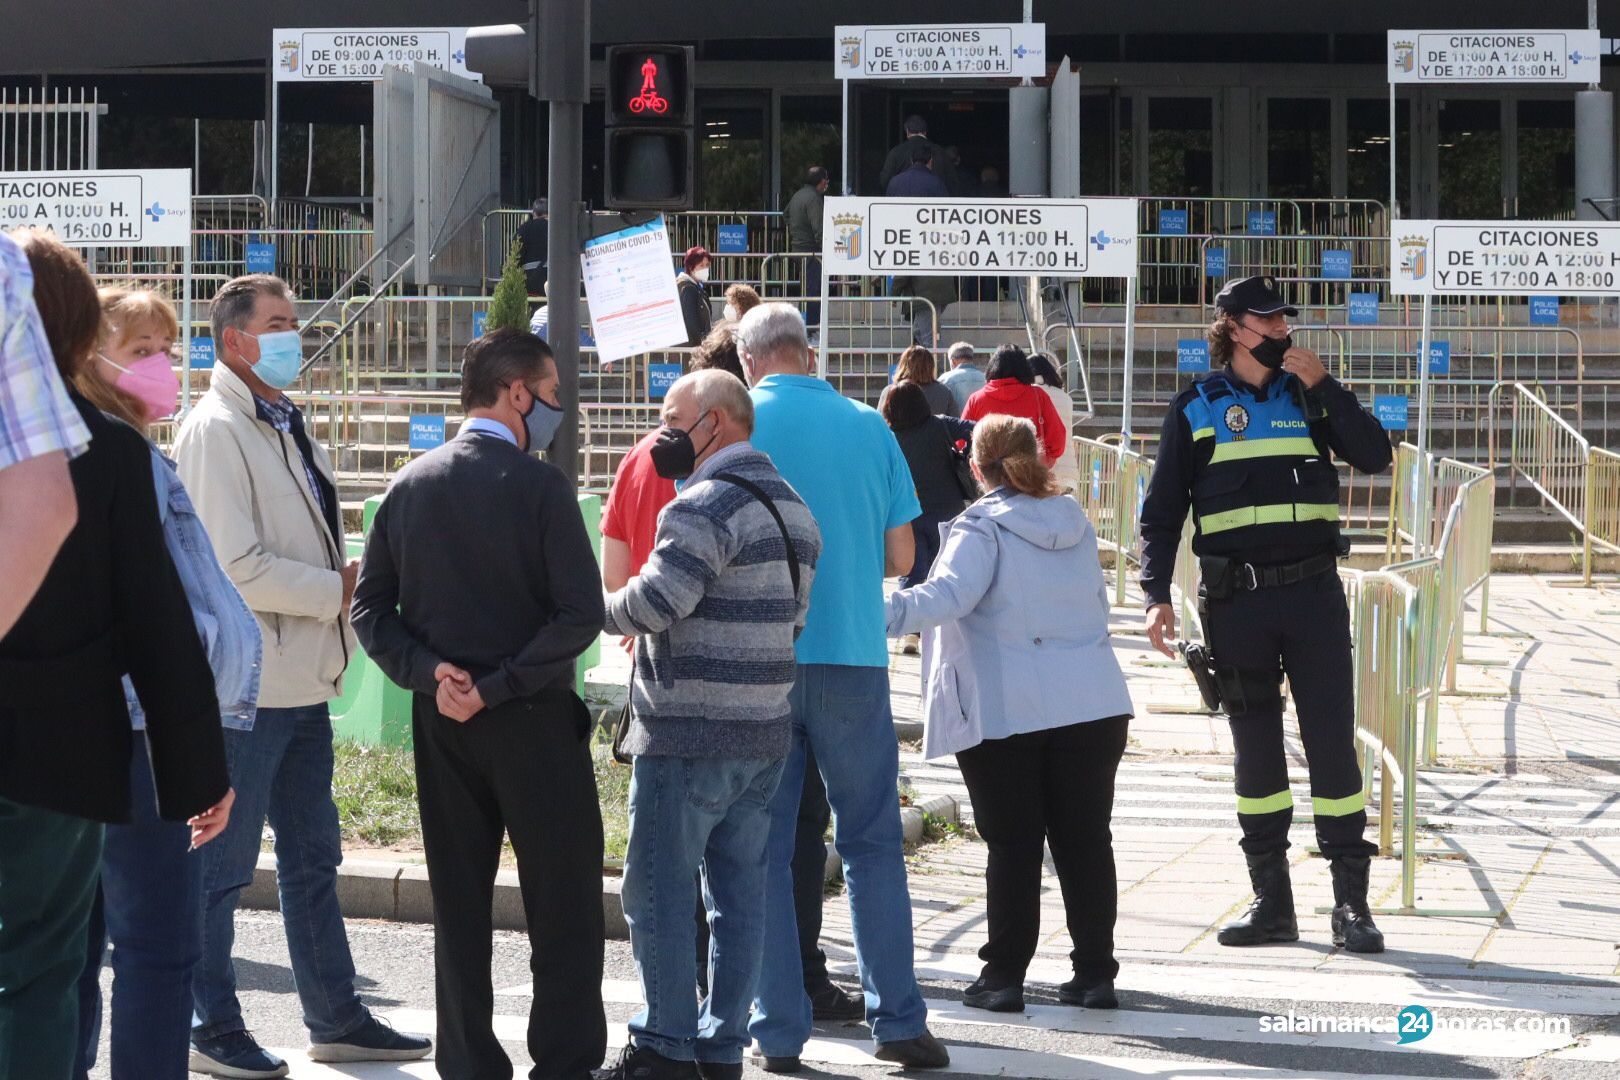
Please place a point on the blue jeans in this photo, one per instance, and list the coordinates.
(150, 905)
(683, 812)
(842, 714)
(282, 772)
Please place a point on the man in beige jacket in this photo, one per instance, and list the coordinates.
(264, 490)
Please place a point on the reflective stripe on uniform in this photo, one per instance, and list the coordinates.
(1270, 804)
(1267, 515)
(1204, 433)
(1296, 446)
(1350, 804)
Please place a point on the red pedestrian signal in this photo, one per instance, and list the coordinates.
(650, 135)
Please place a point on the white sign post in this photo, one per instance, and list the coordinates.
(146, 208)
(1061, 238)
(356, 54)
(937, 51)
(631, 293)
(1487, 56)
(1497, 258)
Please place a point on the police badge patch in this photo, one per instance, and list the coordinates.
(1237, 419)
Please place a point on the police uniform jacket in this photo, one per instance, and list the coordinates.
(1255, 467)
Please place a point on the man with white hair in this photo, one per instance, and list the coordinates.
(965, 376)
(715, 610)
(842, 459)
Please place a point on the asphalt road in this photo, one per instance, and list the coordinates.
(396, 961)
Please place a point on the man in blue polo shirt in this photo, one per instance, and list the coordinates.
(845, 463)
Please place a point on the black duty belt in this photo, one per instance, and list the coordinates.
(1251, 577)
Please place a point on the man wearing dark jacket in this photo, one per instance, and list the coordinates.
(921, 182)
(478, 590)
(900, 157)
(804, 235)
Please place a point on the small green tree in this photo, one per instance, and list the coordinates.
(509, 310)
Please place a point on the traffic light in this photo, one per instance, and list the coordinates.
(650, 127)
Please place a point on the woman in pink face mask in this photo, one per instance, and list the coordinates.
(133, 377)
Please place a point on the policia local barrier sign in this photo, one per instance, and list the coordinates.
(1495, 258)
(948, 237)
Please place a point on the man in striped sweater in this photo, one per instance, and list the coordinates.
(715, 611)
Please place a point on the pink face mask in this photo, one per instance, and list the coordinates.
(153, 381)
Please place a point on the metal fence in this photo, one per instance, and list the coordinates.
(1579, 481)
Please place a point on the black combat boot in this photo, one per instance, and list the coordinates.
(1270, 916)
(1352, 923)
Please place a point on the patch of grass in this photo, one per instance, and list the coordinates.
(375, 791)
(613, 793)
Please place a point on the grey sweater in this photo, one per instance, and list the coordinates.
(715, 615)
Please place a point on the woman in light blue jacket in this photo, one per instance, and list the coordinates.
(149, 902)
(1021, 684)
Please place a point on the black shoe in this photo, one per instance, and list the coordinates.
(923, 1052)
(775, 1064)
(640, 1063)
(1096, 996)
(982, 995)
(1270, 915)
(1352, 922)
(828, 1001)
(709, 1070)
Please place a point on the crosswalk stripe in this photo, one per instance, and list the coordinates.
(1202, 1027)
(1273, 984)
(1593, 1048)
(1253, 981)
(965, 1060)
(1132, 1023)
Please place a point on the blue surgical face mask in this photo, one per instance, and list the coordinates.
(542, 421)
(281, 354)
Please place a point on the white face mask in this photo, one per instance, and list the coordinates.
(701, 274)
(731, 313)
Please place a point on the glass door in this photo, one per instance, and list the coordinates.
(1468, 158)
(733, 167)
(1544, 160)
(1180, 159)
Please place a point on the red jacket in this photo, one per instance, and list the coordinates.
(1009, 397)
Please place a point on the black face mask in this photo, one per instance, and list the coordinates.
(1270, 351)
(674, 457)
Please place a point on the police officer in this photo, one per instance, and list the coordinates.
(1249, 450)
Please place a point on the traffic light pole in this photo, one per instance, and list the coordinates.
(562, 78)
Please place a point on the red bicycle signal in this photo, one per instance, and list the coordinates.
(649, 98)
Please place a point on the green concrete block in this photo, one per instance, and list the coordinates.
(375, 712)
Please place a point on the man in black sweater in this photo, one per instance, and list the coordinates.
(481, 549)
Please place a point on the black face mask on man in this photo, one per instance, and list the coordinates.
(674, 456)
(1269, 351)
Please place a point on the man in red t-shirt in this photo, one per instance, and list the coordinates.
(630, 522)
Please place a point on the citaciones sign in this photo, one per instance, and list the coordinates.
(133, 208)
(947, 237)
(1494, 56)
(943, 51)
(360, 54)
(1491, 258)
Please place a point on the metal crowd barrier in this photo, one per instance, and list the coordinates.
(1581, 482)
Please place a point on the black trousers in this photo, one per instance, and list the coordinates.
(809, 882)
(1304, 630)
(523, 769)
(1048, 788)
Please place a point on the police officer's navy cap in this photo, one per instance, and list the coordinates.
(1254, 296)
